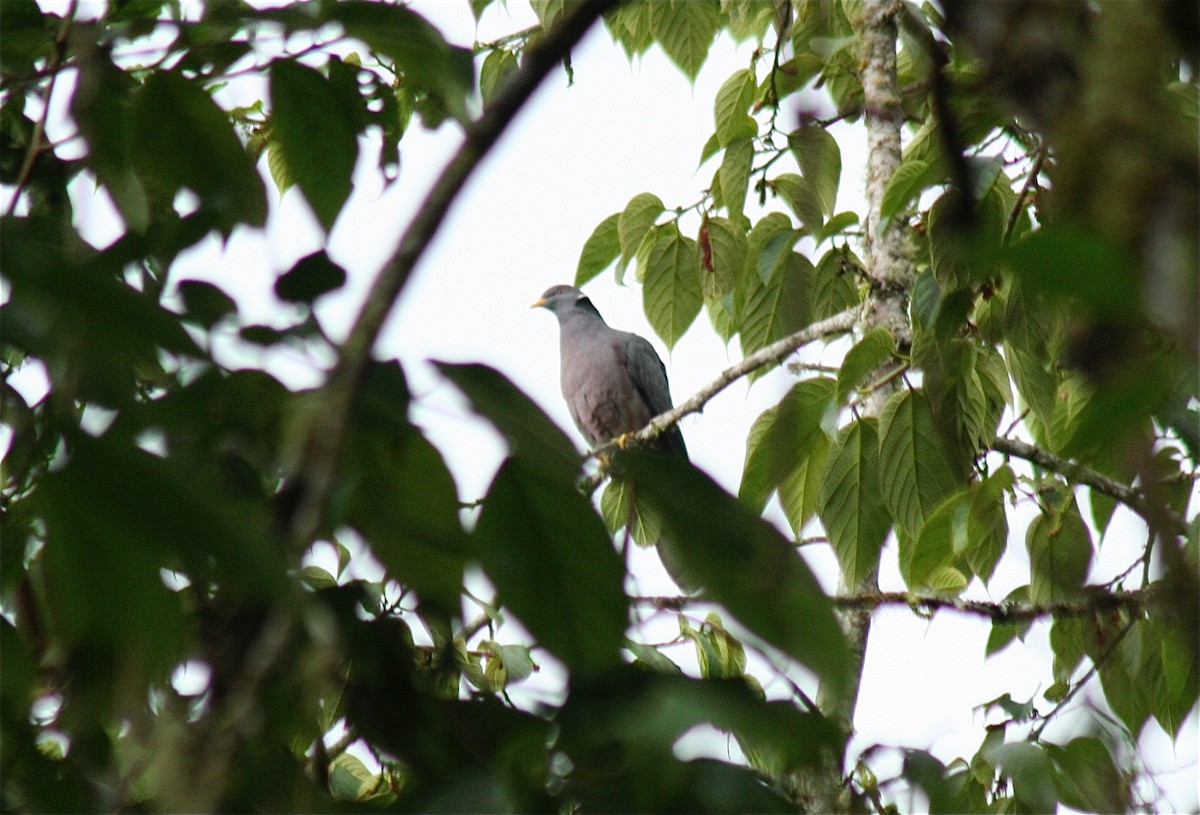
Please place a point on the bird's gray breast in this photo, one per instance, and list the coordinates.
(602, 398)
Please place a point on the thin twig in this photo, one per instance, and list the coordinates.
(1030, 180)
(39, 128)
(1087, 476)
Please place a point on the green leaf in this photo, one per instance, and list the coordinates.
(743, 563)
(802, 196)
(734, 176)
(875, 348)
(652, 658)
(776, 309)
(636, 220)
(185, 141)
(800, 490)
(671, 290)
(1078, 267)
(1086, 777)
(529, 432)
(941, 538)
(553, 564)
(821, 162)
(835, 284)
(1002, 633)
(601, 248)
(349, 778)
(1031, 772)
(685, 29)
(732, 103)
(781, 437)
(852, 508)
(911, 178)
(629, 25)
(914, 471)
(722, 256)
(312, 127)
(497, 67)
(987, 522)
(1060, 554)
(205, 304)
(445, 71)
(309, 278)
(619, 509)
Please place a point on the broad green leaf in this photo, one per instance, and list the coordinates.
(671, 295)
(1181, 681)
(1060, 555)
(942, 537)
(774, 255)
(802, 196)
(309, 278)
(776, 309)
(734, 175)
(743, 563)
(852, 508)
(185, 141)
(732, 103)
(1086, 777)
(1131, 674)
(620, 510)
(1075, 266)
(553, 564)
(629, 25)
(317, 578)
(445, 71)
(636, 220)
(820, 161)
(835, 284)
(497, 67)
(875, 348)
(601, 248)
(548, 11)
(685, 29)
(800, 490)
(529, 432)
(782, 436)
(748, 18)
(987, 522)
(722, 256)
(312, 128)
(652, 658)
(914, 471)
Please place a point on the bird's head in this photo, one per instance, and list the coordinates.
(562, 300)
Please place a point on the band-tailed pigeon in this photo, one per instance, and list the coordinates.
(613, 381)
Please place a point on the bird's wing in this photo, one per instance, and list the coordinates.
(649, 377)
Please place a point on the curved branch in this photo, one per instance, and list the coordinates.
(839, 323)
(1155, 516)
(314, 475)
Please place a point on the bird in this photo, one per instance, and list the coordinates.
(613, 381)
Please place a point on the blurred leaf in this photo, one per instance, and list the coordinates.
(671, 289)
(652, 658)
(529, 432)
(185, 141)
(553, 564)
(204, 303)
(602, 247)
(781, 437)
(742, 563)
(349, 778)
(851, 505)
(1086, 778)
(1070, 264)
(320, 158)
(1031, 772)
(309, 278)
(498, 66)
(444, 71)
(1003, 633)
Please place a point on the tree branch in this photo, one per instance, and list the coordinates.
(1098, 481)
(997, 612)
(314, 476)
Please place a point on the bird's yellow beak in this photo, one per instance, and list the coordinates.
(541, 301)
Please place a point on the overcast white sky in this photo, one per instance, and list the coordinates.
(575, 156)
